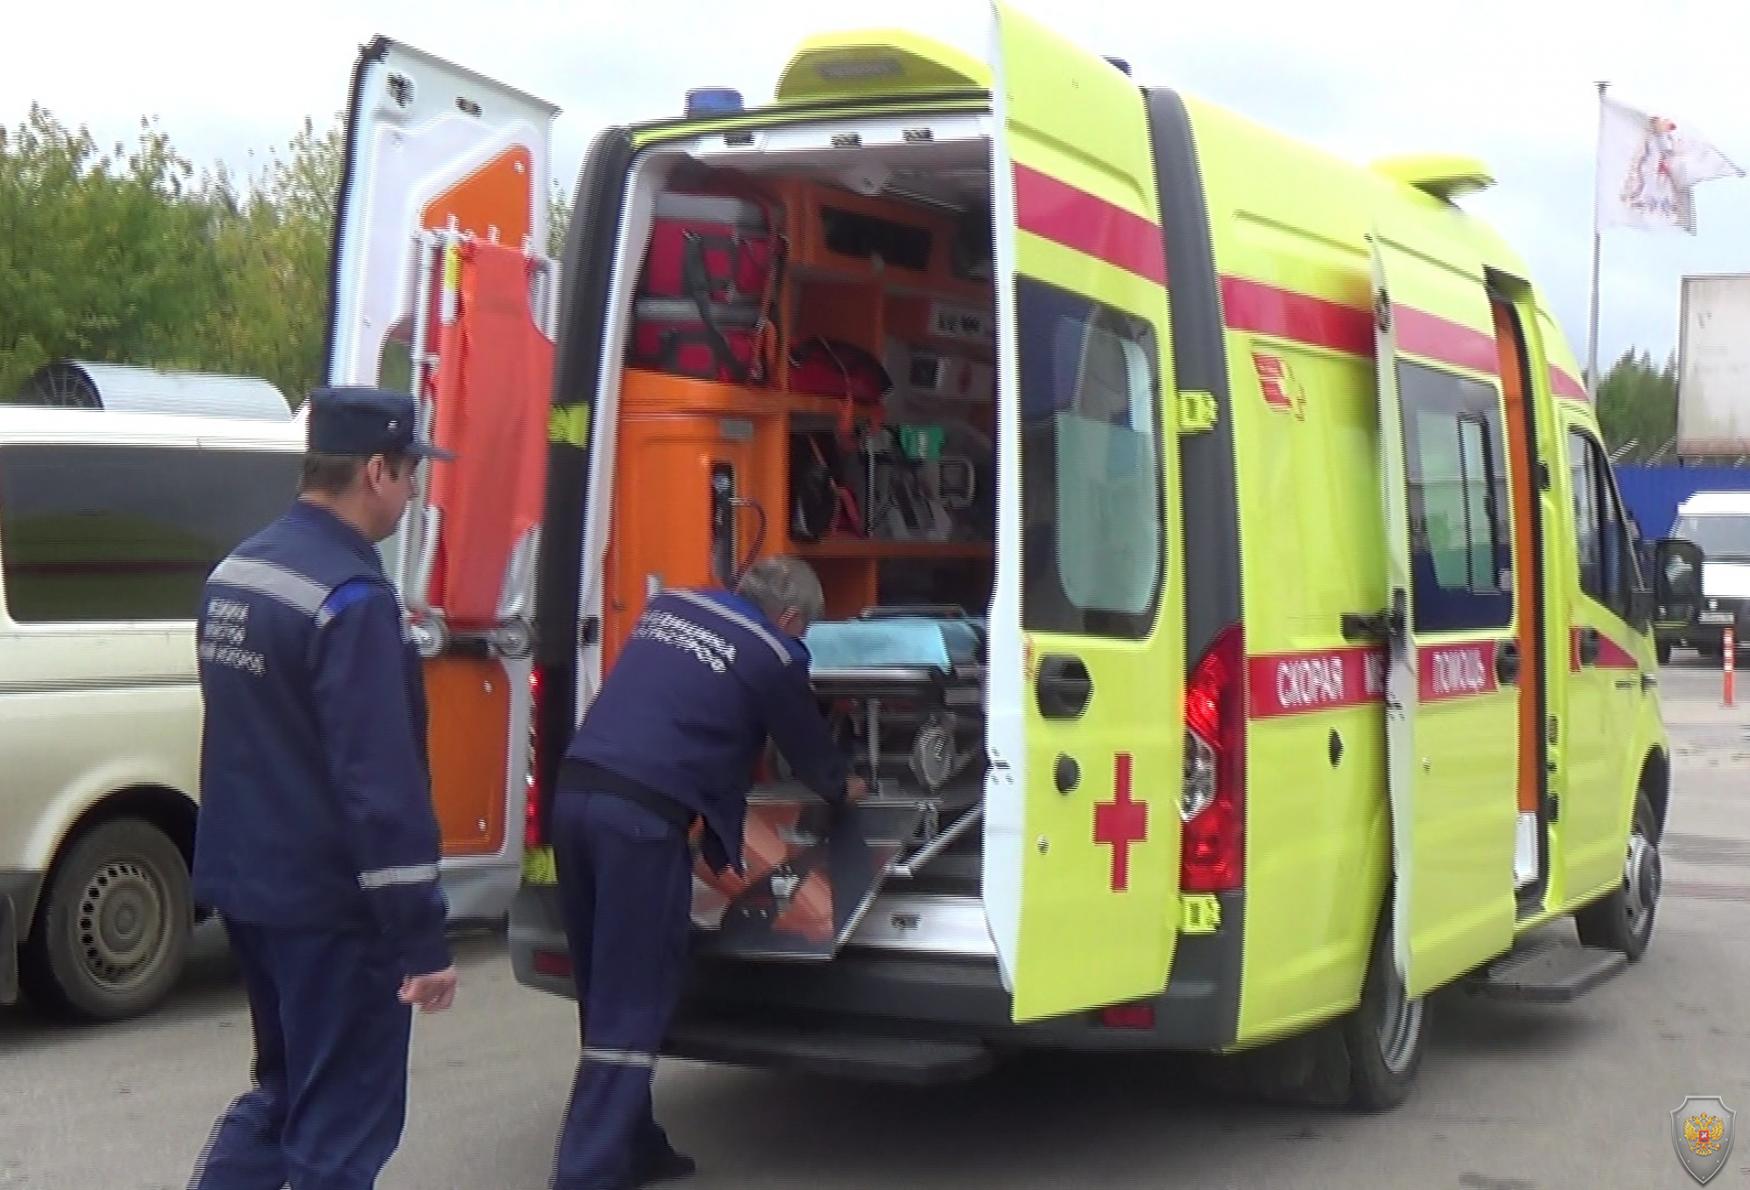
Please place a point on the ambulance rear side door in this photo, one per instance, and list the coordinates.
(431, 145)
(1453, 665)
(1087, 686)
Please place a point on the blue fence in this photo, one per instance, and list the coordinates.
(1653, 493)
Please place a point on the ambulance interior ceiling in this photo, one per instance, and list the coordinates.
(953, 174)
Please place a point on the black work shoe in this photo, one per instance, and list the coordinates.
(667, 1168)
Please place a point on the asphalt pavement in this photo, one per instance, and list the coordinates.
(1512, 1097)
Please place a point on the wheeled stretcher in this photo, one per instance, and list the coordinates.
(904, 692)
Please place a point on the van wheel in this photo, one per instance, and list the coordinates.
(1624, 920)
(1365, 1061)
(1386, 1036)
(112, 933)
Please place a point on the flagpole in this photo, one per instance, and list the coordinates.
(1597, 253)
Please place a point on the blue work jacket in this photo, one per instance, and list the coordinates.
(316, 806)
(704, 680)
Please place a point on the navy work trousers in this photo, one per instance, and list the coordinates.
(625, 878)
(330, 1071)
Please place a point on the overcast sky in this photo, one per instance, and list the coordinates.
(1510, 81)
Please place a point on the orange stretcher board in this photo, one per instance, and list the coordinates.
(487, 308)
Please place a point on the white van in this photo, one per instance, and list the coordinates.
(1719, 524)
(109, 524)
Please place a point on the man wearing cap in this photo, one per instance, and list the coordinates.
(317, 843)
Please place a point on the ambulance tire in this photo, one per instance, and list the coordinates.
(113, 931)
(1366, 1061)
(1621, 921)
(1386, 1037)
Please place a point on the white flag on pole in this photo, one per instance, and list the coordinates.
(1648, 168)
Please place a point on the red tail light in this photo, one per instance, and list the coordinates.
(552, 963)
(1140, 1015)
(532, 834)
(1213, 800)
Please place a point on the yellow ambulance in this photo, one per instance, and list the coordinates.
(1227, 588)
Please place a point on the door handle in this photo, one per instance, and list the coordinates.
(1362, 628)
(1588, 646)
(1507, 663)
(1063, 687)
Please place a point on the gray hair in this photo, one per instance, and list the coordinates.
(779, 583)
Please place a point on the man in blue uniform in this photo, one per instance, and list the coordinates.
(705, 679)
(317, 842)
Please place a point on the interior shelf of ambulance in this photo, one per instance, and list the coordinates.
(809, 368)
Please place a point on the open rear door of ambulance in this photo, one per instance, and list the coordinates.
(1086, 744)
(1452, 670)
(440, 286)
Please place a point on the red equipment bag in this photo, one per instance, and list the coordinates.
(705, 342)
(719, 242)
(831, 368)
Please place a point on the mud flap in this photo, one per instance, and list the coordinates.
(811, 873)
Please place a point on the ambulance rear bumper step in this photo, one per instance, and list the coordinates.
(1553, 973)
(826, 1050)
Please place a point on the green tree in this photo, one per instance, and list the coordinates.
(103, 256)
(1637, 405)
(558, 221)
(272, 244)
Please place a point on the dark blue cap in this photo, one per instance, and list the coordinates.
(367, 421)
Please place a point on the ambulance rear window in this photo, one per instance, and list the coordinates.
(1092, 519)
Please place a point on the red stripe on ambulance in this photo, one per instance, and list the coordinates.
(1610, 654)
(1267, 310)
(1280, 684)
(1437, 338)
(1069, 215)
(1447, 672)
(1263, 309)
(1566, 386)
(1299, 683)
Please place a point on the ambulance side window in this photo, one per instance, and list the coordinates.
(1606, 561)
(1461, 539)
(1092, 516)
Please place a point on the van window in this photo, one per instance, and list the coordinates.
(1723, 537)
(1461, 536)
(108, 533)
(1092, 505)
(1606, 562)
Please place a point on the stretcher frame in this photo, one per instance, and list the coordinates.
(437, 266)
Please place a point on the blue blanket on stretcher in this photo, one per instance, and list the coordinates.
(894, 641)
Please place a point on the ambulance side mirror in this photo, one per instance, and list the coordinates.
(1676, 581)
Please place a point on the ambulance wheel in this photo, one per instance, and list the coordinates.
(1624, 920)
(112, 932)
(1386, 1036)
